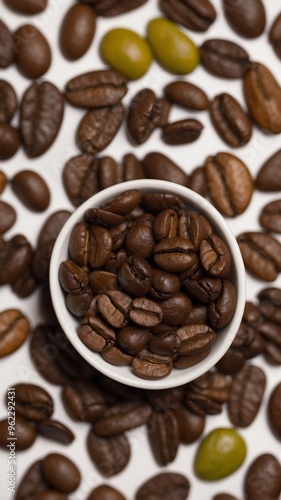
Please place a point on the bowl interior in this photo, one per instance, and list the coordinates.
(69, 323)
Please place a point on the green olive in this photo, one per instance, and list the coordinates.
(171, 47)
(126, 52)
(220, 454)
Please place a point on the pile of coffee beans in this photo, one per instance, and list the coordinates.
(71, 125)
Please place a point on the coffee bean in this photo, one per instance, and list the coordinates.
(270, 332)
(102, 281)
(99, 127)
(151, 366)
(7, 46)
(230, 120)
(114, 307)
(8, 101)
(260, 253)
(268, 177)
(33, 52)
(176, 309)
(195, 338)
(61, 472)
(269, 304)
(156, 202)
(143, 115)
(165, 485)
(77, 31)
(111, 454)
(41, 115)
(270, 216)
(125, 203)
(163, 432)
(191, 426)
(95, 333)
(182, 131)
(263, 478)
(224, 58)
(109, 172)
(158, 166)
(80, 178)
(163, 285)
(25, 433)
(15, 257)
(222, 173)
(8, 216)
(221, 311)
(224, 496)
(52, 226)
(215, 256)
(32, 190)
(187, 95)
(30, 7)
(274, 410)
(84, 400)
(195, 16)
(105, 491)
(33, 402)
(116, 7)
(275, 35)
(175, 254)
(14, 327)
(3, 181)
(246, 395)
(33, 482)
(132, 168)
(122, 417)
(116, 356)
(133, 339)
(9, 141)
(197, 181)
(51, 495)
(263, 97)
(166, 343)
(247, 19)
(135, 276)
(54, 430)
(207, 393)
(72, 277)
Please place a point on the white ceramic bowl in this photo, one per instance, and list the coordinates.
(69, 323)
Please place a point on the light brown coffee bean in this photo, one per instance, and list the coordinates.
(193, 15)
(230, 120)
(14, 329)
(182, 132)
(7, 216)
(33, 52)
(61, 472)
(77, 31)
(186, 94)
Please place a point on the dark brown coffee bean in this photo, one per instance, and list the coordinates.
(32, 483)
(183, 362)
(189, 13)
(186, 94)
(95, 333)
(15, 257)
(61, 472)
(133, 339)
(8, 216)
(145, 312)
(182, 131)
(151, 366)
(230, 120)
(116, 356)
(166, 485)
(195, 338)
(274, 410)
(41, 115)
(54, 430)
(163, 285)
(7, 46)
(109, 172)
(114, 307)
(110, 455)
(135, 276)
(263, 478)
(261, 254)
(30, 7)
(105, 491)
(270, 216)
(14, 329)
(170, 398)
(84, 400)
(221, 311)
(275, 35)
(263, 98)
(156, 202)
(125, 203)
(113, 8)
(158, 166)
(9, 141)
(102, 281)
(204, 290)
(96, 89)
(80, 178)
(33, 402)
(33, 52)
(224, 58)
(268, 176)
(197, 181)
(246, 395)
(100, 246)
(191, 426)
(132, 168)
(72, 277)
(78, 304)
(25, 433)
(194, 226)
(176, 308)
(215, 256)
(163, 432)
(122, 417)
(174, 254)
(166, 343)
(224, 172)
(270, 304)
(143, 115)
(8, 99)
(32, 190)
(270, 332)
(52, 226)
(103, 217)
(99, 127)
(247, 19)
(140, 240)
(77, 31)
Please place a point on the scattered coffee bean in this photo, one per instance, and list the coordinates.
(9, 141)
(8, 101)
(116, 7)
(30, 7)
(33, 402)
(275, 35)
(8, 216)
(263, 477)
(105, 491)
(186, 94)
(54, 430)
(111, 454)
(25, 433)
(268, 177)
(224, 58)
(182, 131)
(195, 16)
(33, 52)
(77, 31)
(247, 19)
(7, 46)
(32, 190)
(274, 410)
(230, 120)
(166, 485)
(60, 472)
(261, 254)
(14, 328)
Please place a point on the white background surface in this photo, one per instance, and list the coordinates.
(18, 366)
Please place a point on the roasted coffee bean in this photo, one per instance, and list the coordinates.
(61, 472)
(230, 120)
(125, 203)
(221, 311)
(25, 433)
(30, 7)
(8, 216)
(166, 485)
(263, 478)
(78, 304)
(14, 328)
(204, 289)
(32, 482)
(222, 173)
(195, 338)
(135, 276)
(102, 281)
(189, 13)
(114, 307)
(224, 58)
(15, 256)
(247, 19)
(270, 331)
(270, 216)
(96, 89)
(187, 95)
(167, 343)
(143, 115)
(100, 246)
(145, 312)
(165, 224)
(171, 398)
(77, 31)
(261, 254)
(275, 35)
(95, 333)
(158, 166)
(80, 178)
(9, 141)
(103, 217)
(70, 360)
(176, 308)
(194, 226)
(25, 284)
(175, 254)
(8, 99)
(41, 260)
(132, 168)
(54, 430)
(140, 240)
(182, 132)
(156, 202)
(84, 400)
(32, 190)
(72, 277)
(41, 115)
(270, 304)
(152, 366)
(116, 7)
(116, 356)
(110, 455)
(197, 181)
(268, 176)
(33, 402)
(215, 256)
(99, 127)
(7, 46)
(246, 395)
(108, 172)
(263, 97)
(191, 426)
(132, 338)
(105, 491)
(122, 417)
(163, 432)
(3, 181)
(274, 410)
(52, 226)
(33, 52)
(198, 314)
(163, 285)
(224, 496)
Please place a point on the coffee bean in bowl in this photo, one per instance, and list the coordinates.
(126, 272)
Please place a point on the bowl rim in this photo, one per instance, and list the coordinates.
(64, 316)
